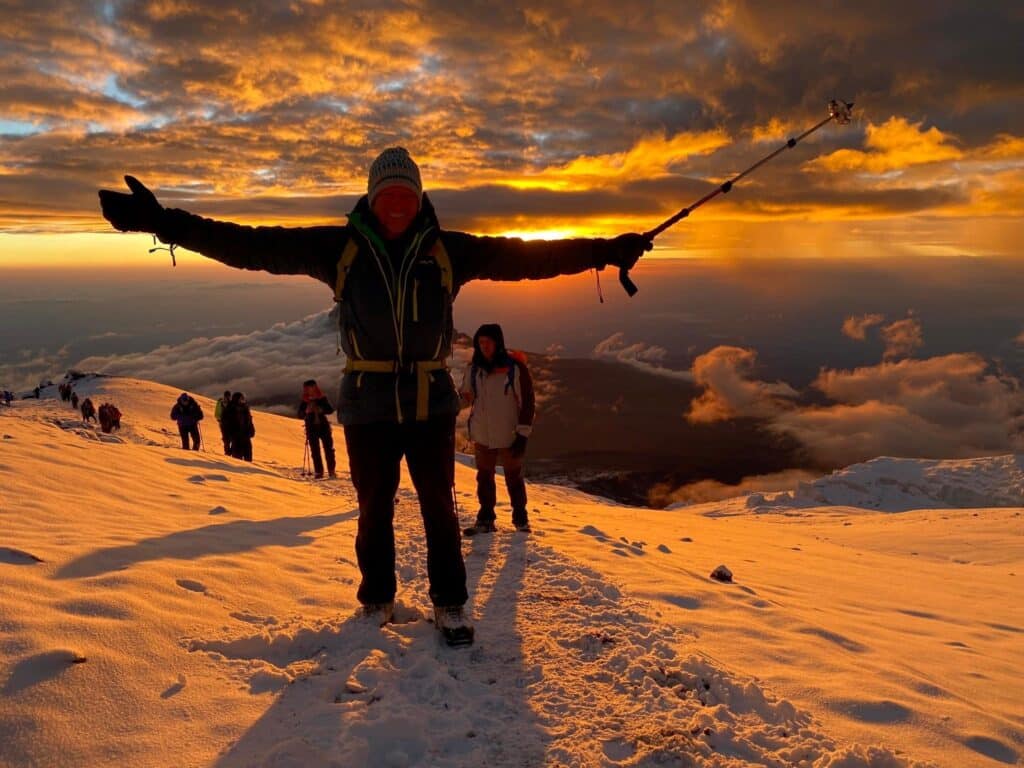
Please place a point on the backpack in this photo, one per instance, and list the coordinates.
(515, 356)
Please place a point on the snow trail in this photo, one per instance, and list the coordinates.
(566, 671)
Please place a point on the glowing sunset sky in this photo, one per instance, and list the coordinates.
(589, 117)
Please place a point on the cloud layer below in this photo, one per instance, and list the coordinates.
(949, 406)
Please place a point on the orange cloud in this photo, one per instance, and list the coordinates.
(729, 392)
(1005, 147)
(650, 158)
(856, 326)
(894, 145)
(902, 338)
(774, 130)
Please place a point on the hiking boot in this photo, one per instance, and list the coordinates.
(318, 476)
(379, 613)
(453, 625)
(523, 527)
(333, 475)
(479, 527)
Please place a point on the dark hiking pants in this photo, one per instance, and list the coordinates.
(225, 436)
(241, 447)
(375, 453)
(189, 431)
(486, 493)
(317, 435)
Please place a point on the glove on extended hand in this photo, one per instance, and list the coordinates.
(137, 212)
(626, 250)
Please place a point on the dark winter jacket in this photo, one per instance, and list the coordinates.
(187, 413)
(237, 420)
(395, 309)
(314, 413)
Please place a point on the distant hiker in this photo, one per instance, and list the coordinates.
(188, 414)
(395, 274)
(74, 401)
(218, 414)
(314, 410)
(35, 393)
(65, 392)
(110, 418)
(88, 409)
(6, 397)
(498, 386)
(241, 429)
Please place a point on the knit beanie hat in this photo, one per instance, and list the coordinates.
(393, 167)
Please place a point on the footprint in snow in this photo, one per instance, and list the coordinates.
(993, 749)
(618, 750)
(12, 556)
(205, 478)
(251, 618)
(39, 668)
(174, 688)
(218, 510)
(191, 586)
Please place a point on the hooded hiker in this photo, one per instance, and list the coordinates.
(498, 387)
(394, 273)
(110, 417)
(87, 408)
(218, 414)
(314, 410)
(240, 428)
(188, 414)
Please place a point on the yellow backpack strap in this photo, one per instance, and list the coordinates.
(440, 255)
(348, 255)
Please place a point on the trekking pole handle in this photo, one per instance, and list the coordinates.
(627, 285)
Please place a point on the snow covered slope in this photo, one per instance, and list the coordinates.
(159, 607)
(897, 485)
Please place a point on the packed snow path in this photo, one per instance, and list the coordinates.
(567, 671)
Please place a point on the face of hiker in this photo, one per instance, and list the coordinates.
(395, 209)
(487, 347)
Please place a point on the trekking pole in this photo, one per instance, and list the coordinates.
(455, 495)
(837, 110)
(202, 445)
(305, 458)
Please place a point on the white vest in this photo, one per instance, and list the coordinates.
(495, 414)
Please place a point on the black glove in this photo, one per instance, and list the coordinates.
(137, 212)
(625, 250)
(518, 446)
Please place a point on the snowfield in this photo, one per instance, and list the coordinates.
(166, 608)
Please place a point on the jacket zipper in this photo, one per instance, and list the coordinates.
(398, 304)
(394, 318)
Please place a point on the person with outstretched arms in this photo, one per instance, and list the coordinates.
(395, 273)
